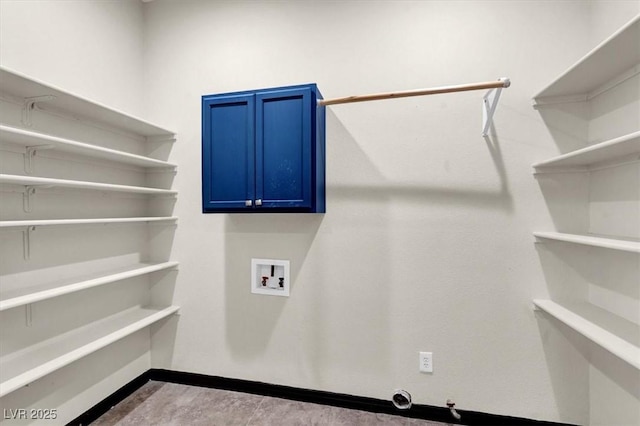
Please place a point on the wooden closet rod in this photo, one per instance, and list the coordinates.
(499, 84)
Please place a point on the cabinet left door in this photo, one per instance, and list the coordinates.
(228, 152)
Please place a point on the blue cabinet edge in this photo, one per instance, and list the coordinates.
(318, 151)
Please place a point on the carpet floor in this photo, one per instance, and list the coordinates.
(159, 403)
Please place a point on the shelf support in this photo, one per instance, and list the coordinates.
(28, 314)
(26, 242)
(30, 104)
(29, 156)
(161, 139)
(27, 202)
(489, 104)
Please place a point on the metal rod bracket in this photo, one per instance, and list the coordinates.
(489, 104)
(30, 104)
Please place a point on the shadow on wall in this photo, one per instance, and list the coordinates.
(566, 196)
(603, 284)
(575, 273)
(315, 332)
(346, 315)
(102, 373)
(584, 376)
(251, 318)
(566, 354)
(162, 285)
(568, 124)
(575, 125)
(383, 190)
(612, 376)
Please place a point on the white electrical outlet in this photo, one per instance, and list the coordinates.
(426, 362)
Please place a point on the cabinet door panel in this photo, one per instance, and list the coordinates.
(283, 148)
(228, 150)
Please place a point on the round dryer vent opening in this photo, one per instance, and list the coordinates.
(401, 399)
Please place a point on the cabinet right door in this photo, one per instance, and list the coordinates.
(284, 138)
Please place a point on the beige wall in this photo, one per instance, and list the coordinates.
(426, 244)
(91, 48)
(606, 16)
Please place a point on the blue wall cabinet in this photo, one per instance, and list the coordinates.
(263, 151)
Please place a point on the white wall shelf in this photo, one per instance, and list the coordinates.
(23, 295)
(611, 62)
(21, 86)
(78, 184)
(42, 349)
(592, 240)
(599, 194)
(606, 151)
(57, 222)
(33, 139)
(31, 363)
(599, 326)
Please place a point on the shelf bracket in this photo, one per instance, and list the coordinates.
(26, 242)
(27, 202)
(30, 104)
(161, 139)
(28, 314)
(489, 104)
(29, 156)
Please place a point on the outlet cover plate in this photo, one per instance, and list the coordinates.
(270, 277)
(426, 362)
